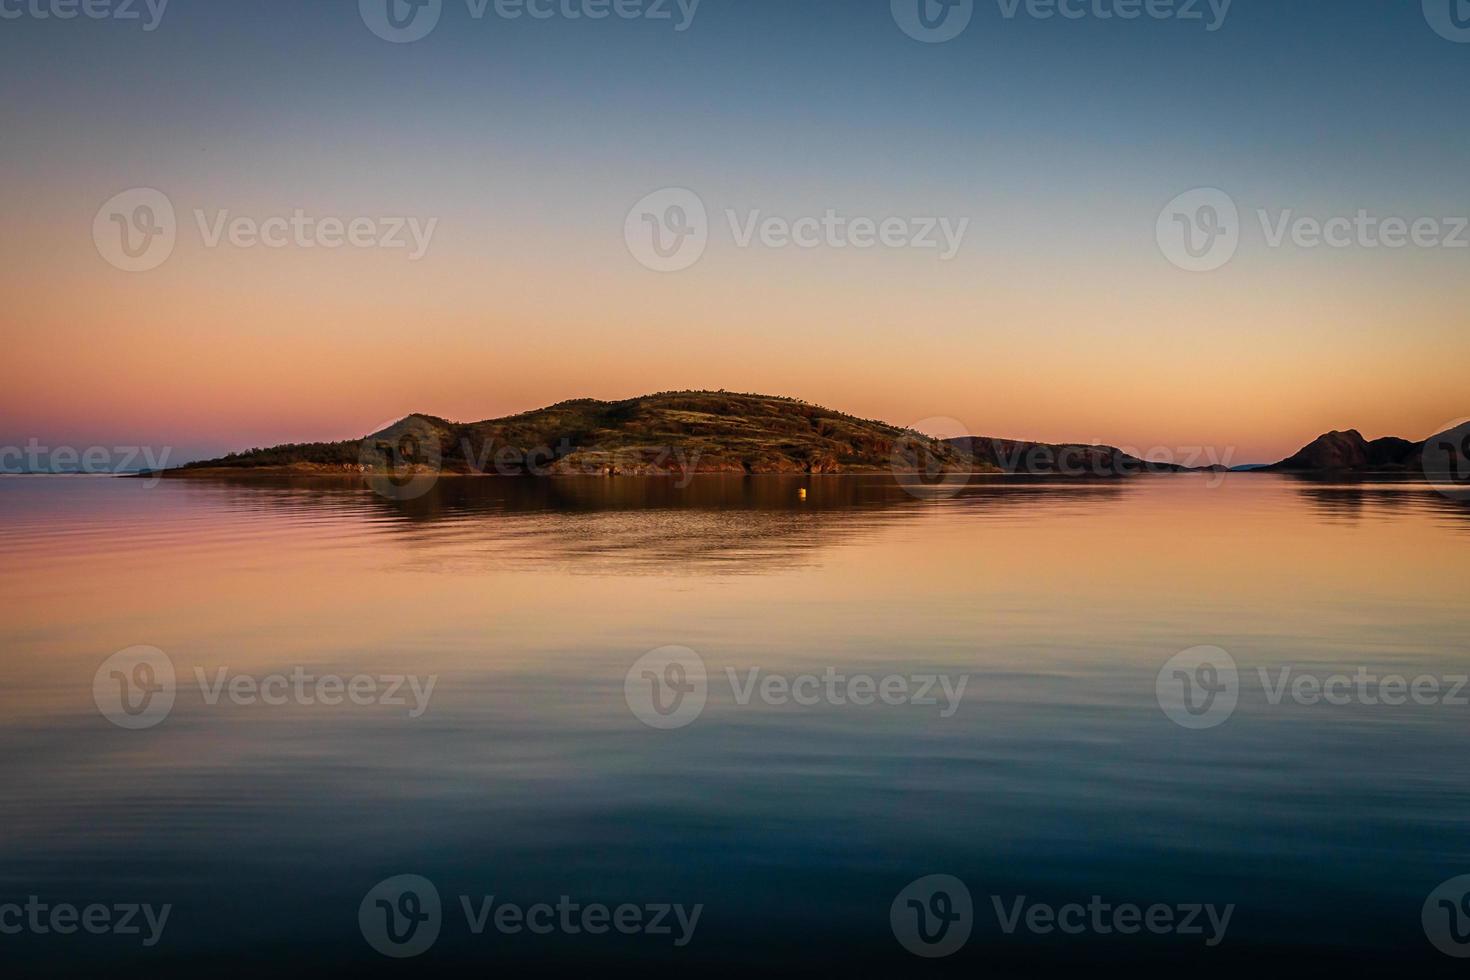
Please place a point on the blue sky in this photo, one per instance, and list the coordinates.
(1060, 138)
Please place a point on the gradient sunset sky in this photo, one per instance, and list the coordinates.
(529, 140)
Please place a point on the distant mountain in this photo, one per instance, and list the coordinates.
(1350, 452)
(687, 432)
(667, 433)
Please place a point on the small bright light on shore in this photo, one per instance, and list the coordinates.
(801, 494)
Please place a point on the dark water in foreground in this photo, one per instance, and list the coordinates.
(1057, 775)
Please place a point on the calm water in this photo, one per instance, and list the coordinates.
(528, 776)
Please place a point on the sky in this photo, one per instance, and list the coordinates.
(530, 153)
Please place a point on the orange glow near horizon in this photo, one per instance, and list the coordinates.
(228, 349)
(1057, 316)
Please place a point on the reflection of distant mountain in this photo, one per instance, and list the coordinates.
(638, 525)
(1347, 497)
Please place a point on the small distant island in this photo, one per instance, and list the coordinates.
(717, 432)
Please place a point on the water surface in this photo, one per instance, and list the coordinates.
(528, 777)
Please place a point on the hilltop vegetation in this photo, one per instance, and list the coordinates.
(682, 431)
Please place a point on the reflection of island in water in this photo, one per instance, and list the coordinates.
(641, 525)
(529, 601)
